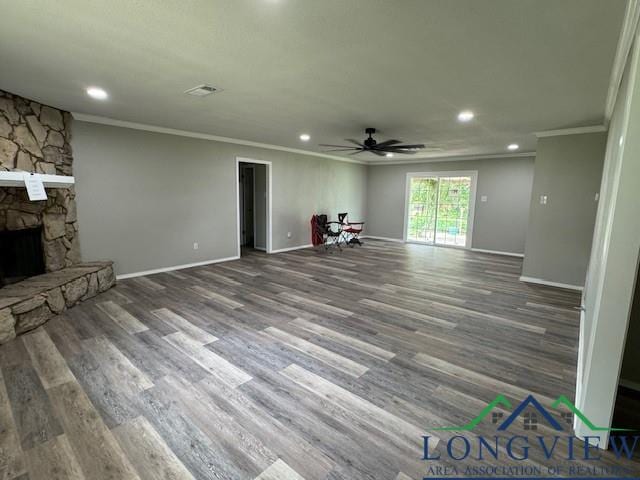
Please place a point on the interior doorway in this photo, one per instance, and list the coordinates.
(247, 188)
(439, 208)
(253, 205)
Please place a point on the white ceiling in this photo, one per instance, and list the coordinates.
(326, 67)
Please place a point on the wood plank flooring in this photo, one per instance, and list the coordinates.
(297, 366)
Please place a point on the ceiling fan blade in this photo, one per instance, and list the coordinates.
(387, 143)
(337, 146)
(433, 148)
(354, 142)
(413, 151)
(402, 152)
(359, 150)
(409, 147)
(348, 149)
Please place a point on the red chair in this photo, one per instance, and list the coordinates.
(350, 230)
(317, 238)
(324, 232)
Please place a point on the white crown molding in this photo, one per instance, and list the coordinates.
(454, 158)
(625, 42)
(571, 131)
(83, 117)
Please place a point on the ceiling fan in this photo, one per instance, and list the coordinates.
(386, 148)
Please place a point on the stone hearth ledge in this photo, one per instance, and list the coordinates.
(32, 302)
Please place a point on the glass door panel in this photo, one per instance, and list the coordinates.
(423, 193)
(453, 210)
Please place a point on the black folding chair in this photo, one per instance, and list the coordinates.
(331, 232)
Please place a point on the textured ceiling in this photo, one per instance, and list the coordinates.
(326, 67)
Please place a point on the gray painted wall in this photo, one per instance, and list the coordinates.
(144, 198)
(500, 223)
(568, 170)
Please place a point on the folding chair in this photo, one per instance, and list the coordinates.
(350, 230)
(317, 237)
(325, 233)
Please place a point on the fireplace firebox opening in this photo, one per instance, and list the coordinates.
(21, 255)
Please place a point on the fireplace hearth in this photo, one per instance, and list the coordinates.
(22, 255)
(41, 274)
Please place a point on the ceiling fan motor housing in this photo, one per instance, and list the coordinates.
(370, 142)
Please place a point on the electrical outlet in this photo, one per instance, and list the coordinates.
(288, 234)
(543, 199)
(195, 245)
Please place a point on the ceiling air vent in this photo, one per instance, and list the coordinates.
(202, 90)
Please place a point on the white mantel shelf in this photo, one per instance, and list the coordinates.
(16, 179)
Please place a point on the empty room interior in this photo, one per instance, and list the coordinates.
(319, 240)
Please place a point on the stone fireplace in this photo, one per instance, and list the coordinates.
(36, 138)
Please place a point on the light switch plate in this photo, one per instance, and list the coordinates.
(483, 198)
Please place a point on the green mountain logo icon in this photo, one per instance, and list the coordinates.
(562, 400)
(501, 400)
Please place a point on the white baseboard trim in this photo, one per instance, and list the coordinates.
(175, 267)
(386, 239)
(498, 252)
(630, 385)
(288, 249)
(550, 284)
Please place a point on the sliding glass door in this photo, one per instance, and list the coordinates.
(423, 203)
(440, 208)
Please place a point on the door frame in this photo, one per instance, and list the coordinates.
(472, 204)
(268, 166)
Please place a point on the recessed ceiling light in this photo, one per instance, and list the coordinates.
(513, 146)
(389, 155)
(97, 93)
(305, 137)
(465, 116)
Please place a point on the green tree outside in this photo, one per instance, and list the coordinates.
(452, 207)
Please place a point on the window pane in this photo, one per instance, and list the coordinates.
(453, 210)
(422, 209)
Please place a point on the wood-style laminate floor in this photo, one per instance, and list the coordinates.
(300, 365)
